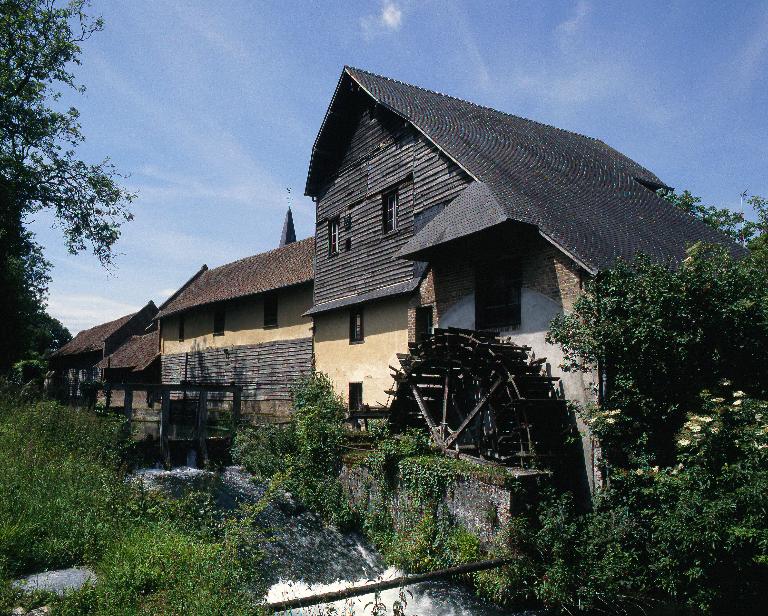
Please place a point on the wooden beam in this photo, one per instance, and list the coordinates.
(399, 582)
(202, 426)
(425, 412)
(165, 424)
(475, 411)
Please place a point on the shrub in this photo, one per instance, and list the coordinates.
(60, 485)
(265, 450)
(662, 335)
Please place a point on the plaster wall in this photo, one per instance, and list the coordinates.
(385, 325)
(243, 325)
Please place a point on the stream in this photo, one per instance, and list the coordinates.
(306, 557)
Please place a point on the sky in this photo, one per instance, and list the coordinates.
(211, 109)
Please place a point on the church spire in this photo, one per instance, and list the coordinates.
(289, 233)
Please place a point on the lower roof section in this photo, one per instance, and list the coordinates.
(402, 288)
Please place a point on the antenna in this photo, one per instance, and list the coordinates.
(742, 196)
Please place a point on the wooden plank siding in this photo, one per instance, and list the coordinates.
(383, 153)
(265, 371)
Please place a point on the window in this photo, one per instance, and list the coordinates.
(348, 244)
(270, 310)
(219, 317)
(348, 222)
(356, 325)
(181, 328)
(389, 211)
(424, 323)
(497, 297)
(333, 236)
(355, 396)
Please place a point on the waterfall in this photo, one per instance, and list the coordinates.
(304, 556)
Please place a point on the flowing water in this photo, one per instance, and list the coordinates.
(306, 557)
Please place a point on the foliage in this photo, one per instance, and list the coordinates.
(694, 534)
(158, 569)
(66, 502)
(753, 233)
(265, 450)
(39, 167)
(662, 335)
(306, 455)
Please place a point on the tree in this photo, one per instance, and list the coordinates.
(39, 168)
(662, 335)
(753, 233)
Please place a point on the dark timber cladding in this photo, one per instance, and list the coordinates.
(265, 371)
(368, 151)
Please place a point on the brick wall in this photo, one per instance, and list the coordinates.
(543, 267)
(424, 296)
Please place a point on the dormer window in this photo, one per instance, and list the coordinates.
(333, 236)
(389, 211)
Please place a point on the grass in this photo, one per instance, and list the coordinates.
(66, 502)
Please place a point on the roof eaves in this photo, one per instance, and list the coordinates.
(194, 277)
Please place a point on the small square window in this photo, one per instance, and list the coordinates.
(348, 244)
(355, 396)
(389, 211)
(181, 328)
(219, 321)
(356, 334)
(424, 323)
(333, 236)
(497, 296)
(348, 222)
(270, 310)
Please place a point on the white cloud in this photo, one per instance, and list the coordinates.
(754, 53)
(388, 19)
(576, 21)
(165, 293)
(79, 312)
(391, 16)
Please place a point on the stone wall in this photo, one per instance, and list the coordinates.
(482, 506)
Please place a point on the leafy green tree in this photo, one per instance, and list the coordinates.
(661, 335)
(753, 233)
(39, 167)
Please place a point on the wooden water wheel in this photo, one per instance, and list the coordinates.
(479, 395)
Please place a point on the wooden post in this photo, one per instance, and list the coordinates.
(425, 412)
(202, 425)
(128, 405)
(237, 400)
(165, 417)
(451, 439)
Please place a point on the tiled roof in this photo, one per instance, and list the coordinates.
(283, 267)
(593, 202)
(401, 288)
(90, 340)
(137, 352)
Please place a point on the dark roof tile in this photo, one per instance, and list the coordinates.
(283, 267)
(595, 203)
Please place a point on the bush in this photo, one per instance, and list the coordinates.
(60, 484)
(265, 450)
(662, 335)
(694, 534)
(160, 570)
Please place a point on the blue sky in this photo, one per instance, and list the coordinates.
(212, 108)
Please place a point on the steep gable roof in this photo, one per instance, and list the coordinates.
(136, 353)
(283, 267)
(92, 339)
(108, 334)
(594, 203)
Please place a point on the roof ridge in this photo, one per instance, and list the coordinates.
(259, 254)
(462, 100)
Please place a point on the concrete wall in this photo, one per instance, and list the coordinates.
(244, 323)
(385, 324)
